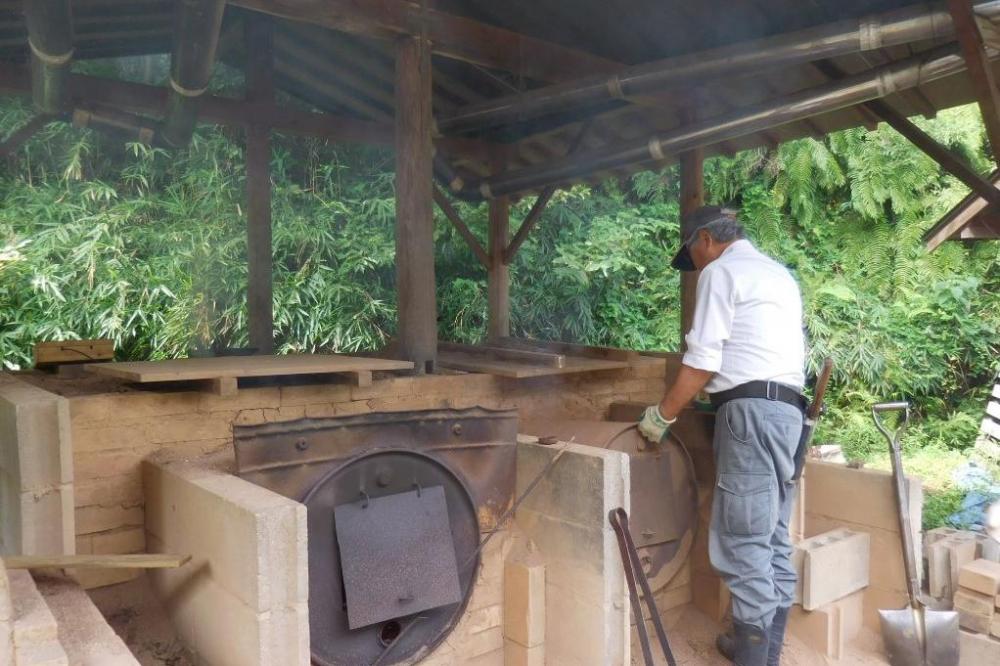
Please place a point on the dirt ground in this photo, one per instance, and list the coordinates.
(692, 639)
(131, 608)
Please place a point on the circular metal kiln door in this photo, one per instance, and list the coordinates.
(393, 538)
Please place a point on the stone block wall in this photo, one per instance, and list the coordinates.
(112, 432)
(837, 496)
(36, 470)
(243, 599)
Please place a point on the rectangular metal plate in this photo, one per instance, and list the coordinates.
(397, 556)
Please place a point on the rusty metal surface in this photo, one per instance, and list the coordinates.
(333, 462)
(663, 513)
(479, 444)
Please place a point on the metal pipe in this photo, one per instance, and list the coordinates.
(872, 84)
(50, 37)
(903, 26)
(197, 24)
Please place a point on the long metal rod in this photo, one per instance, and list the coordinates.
(872, 84)
(903, 26)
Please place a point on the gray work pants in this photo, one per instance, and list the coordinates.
(748, 541)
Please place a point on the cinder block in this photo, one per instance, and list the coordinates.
(977, 649)
(989, 549)
(829, 628)
(524, 601)
(938, 533)
(981, 576)
(995, 625)
(34, 624)
(831, 566)
(515, 654)
(84, 634)
(974, 602)
(945, 559)
(961, 551)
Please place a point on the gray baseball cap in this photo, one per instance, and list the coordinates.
(697, 220)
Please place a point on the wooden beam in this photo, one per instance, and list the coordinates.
(88, 91)
(978, 66)
(452, 36)
(460, 226)
(530, 220)
(19, 136)
(944, 157)
(692, 198)
(948, 160)
(260, 89)
(417, 304)
(498, 275)
(984, 226)
(548, 359)
(958, 218)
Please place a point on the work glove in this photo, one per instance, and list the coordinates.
(653, 426)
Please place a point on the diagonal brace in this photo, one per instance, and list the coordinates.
(463, 229)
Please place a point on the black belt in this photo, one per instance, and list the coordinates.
(768, 390)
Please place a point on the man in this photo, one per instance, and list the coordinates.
(746, 350)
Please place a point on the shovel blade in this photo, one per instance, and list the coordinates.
(902, 637)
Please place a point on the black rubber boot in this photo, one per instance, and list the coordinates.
(726, 645)
(750, 645)
(776, 636)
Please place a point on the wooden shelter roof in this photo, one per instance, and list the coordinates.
(486, 50)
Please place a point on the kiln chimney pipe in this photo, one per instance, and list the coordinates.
(872, 84)
(50, 37)
(196, 36)
(903, 26)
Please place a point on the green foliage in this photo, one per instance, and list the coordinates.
(148, 248)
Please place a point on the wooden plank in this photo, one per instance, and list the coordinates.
(519, 370)
(136, 561)
(73, 351)
(958, 218)
(978, 66)
(571, 349)
(463, 229)
(260, 89)
(548, 359)
(692, 198)
(452, 36)
(993, 409)
(990, 427)
(195, 369)
(415, 286)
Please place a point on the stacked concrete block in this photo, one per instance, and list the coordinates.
(831, 566)
(867, 505)
(36, 471)
(977, 649)
(829, 628)
(84, 634)
(36, 635)
(243, 598)
(976, 597)
(566, 517)
(945, 557)
(524, 612)
(6, 619)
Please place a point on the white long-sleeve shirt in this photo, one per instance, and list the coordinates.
(747, 321)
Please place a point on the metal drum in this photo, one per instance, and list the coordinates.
(664, 494)
(396, 505)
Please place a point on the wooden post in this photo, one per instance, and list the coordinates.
(260, 88)
(414, 206)
(498, 272)
(692, 197)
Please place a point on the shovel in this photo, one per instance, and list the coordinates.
(914, 635)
